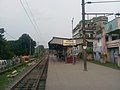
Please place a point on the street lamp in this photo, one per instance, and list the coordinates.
(83, 29)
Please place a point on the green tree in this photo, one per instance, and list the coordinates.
(5, 52)
(23, 46)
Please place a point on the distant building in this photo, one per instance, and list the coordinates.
(113, 40)
(102, 36)
(91, 27)
(99, 44)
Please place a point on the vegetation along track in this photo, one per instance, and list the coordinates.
(33, 80)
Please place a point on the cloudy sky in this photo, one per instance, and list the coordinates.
(53, 17)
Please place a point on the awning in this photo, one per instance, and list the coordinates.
(58, 43)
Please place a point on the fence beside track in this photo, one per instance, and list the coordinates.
(31, 80)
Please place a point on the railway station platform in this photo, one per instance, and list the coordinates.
(64, 76)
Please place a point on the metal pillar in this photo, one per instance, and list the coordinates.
(73, 43)
(84, 36)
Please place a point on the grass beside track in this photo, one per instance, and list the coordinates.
(4, 80)
(107, 64)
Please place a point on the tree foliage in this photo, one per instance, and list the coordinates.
(25, 45)
(5, 52)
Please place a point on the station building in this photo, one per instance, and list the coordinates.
(63, 48)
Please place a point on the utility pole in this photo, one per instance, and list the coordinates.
(38, 50)
(30, 47)
(73, 43)
(84, 36)
(72, 26)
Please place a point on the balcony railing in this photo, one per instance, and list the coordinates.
(114, 43)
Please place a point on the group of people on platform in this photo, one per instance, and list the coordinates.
(67, 59)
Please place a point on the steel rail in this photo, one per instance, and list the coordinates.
(43, 70)
(38, 70)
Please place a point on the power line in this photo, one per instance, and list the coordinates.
(101, 2)
(28, 16)
(31, 14)
(10, 35)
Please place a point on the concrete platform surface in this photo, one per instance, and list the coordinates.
(62, 76)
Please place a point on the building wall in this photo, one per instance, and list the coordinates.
(99, 47)
(113, 54)
(91, 26)
(113, 43)
(113, 25)
(78, 33)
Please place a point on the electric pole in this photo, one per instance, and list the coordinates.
(84, 36)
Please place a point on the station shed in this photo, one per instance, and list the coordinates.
(63, 48)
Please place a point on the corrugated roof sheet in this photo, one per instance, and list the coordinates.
(57, 40)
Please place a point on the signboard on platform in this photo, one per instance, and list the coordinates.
(69, 42)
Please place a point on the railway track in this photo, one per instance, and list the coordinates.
(34, 78)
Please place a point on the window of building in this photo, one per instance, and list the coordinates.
(98, 40)
(106, 38)
(91, 35)
(87, 35)
(104, 22)
(115, 37)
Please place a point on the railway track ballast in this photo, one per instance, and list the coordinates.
(32, 80)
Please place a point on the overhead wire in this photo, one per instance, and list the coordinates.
(33, 23)
(10, 35)
(31, 14)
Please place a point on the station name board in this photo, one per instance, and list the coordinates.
(69, 42)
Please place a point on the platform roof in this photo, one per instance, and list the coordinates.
(59, 41)
(58, 44)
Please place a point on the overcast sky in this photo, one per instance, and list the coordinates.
(53, 17)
